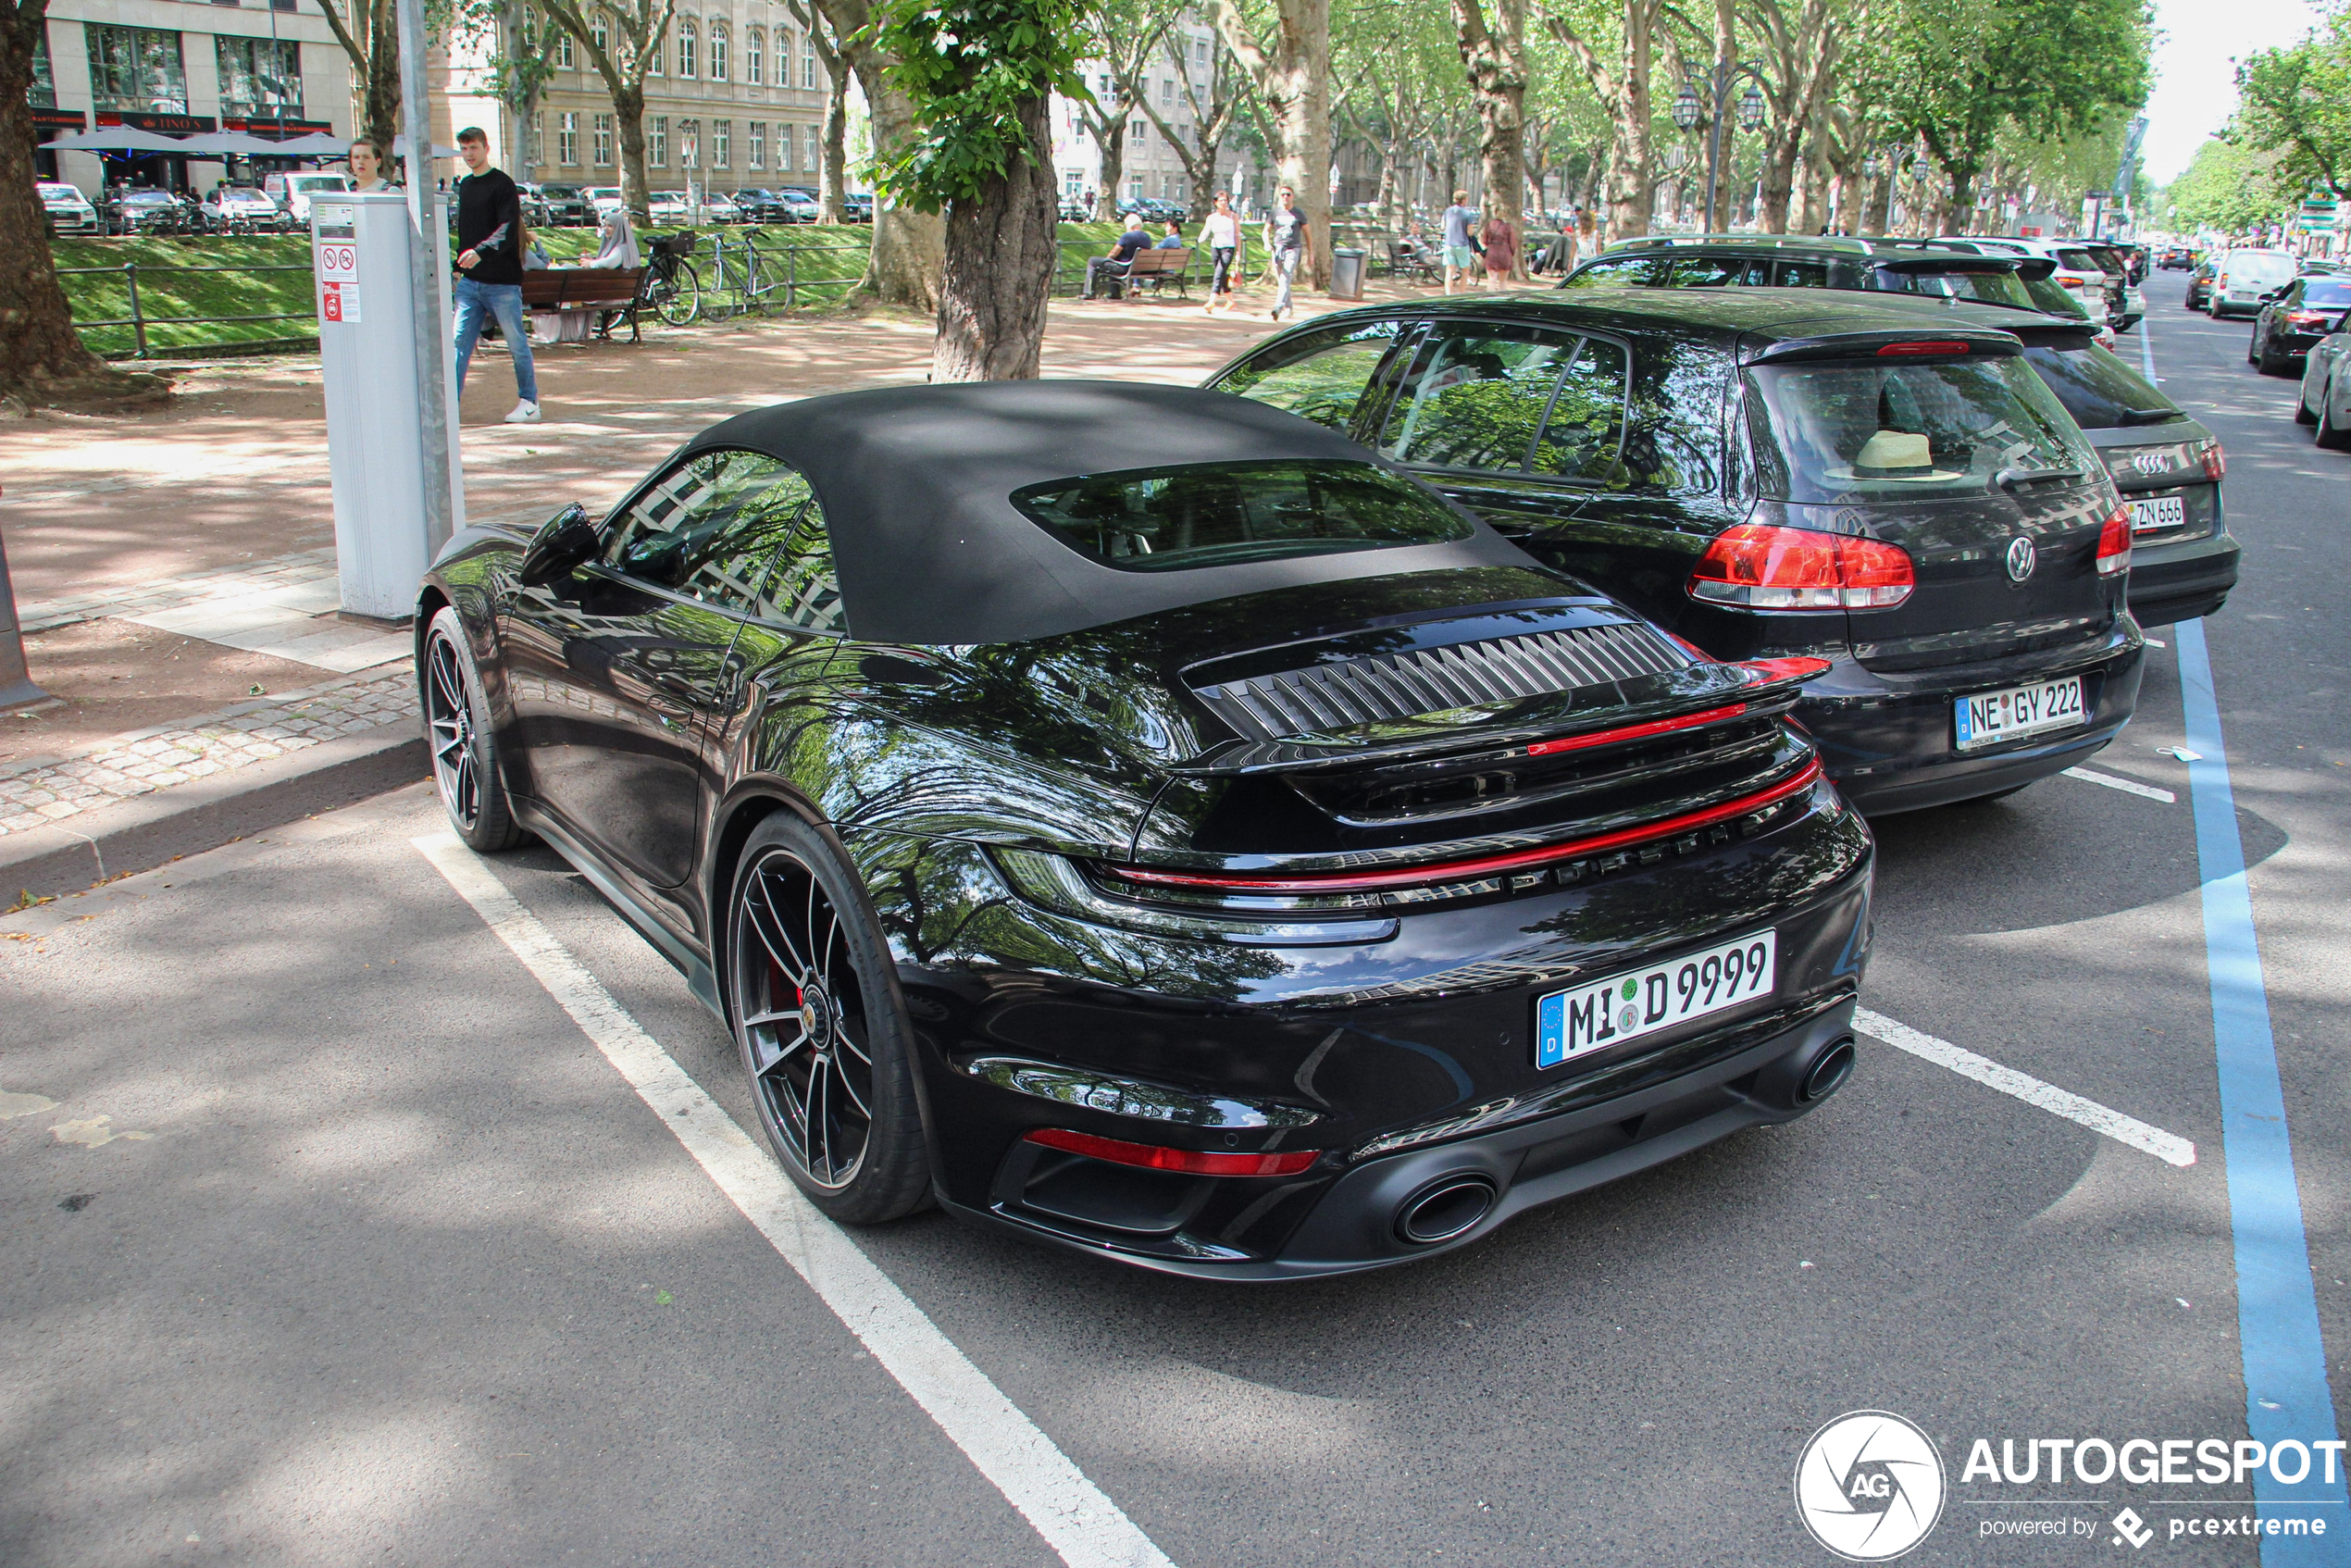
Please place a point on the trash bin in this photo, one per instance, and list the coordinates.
(1347, 274)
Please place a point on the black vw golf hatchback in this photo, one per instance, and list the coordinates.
(1771, 472)
(1144, 820)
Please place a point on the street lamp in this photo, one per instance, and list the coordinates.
(1686, 107)
(1689, 108)
(1751, 108)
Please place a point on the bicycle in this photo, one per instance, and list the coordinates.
(672, 286)
(748, 281)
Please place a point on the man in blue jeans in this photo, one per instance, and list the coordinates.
(490, 268)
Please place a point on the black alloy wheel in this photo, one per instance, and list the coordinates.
(465, 755)
(823, 1033)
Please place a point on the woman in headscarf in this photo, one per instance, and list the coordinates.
(615, 243)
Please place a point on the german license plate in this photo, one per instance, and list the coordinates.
(1635, 1003)
(2163, 512)
(1990, 717)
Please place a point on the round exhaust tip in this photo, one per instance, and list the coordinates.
(1444, 1209)
(1828, 1074)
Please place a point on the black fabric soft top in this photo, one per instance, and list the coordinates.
(916, 485)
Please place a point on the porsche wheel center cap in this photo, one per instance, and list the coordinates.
(816, 1017)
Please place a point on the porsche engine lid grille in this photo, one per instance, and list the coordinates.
(1396, 686)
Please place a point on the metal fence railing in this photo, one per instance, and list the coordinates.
(754, 271)
(139, 320)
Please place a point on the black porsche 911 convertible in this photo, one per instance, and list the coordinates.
(1142, 819)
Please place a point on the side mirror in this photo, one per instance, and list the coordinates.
(562, 541)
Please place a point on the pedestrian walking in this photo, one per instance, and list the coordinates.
(489, 242)
(1459, 256)
(1286, 240)
(1220, 235)
(1499, 237)
(1114, 266)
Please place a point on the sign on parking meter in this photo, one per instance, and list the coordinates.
(394, 503)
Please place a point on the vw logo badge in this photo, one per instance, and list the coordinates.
(2020, 558)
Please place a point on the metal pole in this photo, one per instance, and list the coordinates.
(16, 690)
(445, 482)
(1893, 175)
(138, 321)
(1715, 145)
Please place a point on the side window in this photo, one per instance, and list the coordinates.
(1632, 269)
(1802, 275)
(1716, 272)
(1317, 376)
(1586, 424)
(1476, 397)
(801, 589)
(709, 527)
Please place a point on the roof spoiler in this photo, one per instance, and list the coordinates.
(1949, 261)
(1872, 345)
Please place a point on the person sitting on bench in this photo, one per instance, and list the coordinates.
(1114, 265)
(615, 245)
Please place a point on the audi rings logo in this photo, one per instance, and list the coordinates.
(2020, 558)
(1869, 1486)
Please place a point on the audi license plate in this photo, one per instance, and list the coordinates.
(2163, 512)
(1990, 717)
(1641, 1002)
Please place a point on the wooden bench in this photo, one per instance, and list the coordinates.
(1158, 267)
(1405, 260)
(605, 294)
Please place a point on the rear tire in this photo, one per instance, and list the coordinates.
(678, 297)
(2302, 415)
(2330, 435)
(457, 734)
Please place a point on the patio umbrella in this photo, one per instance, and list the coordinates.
(118, 139)
(219, 144)
(317, 145)
(400, 149)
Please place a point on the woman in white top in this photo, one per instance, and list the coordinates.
(367, 166)
(1220, 232)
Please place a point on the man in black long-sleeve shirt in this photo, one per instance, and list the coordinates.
(490, 268)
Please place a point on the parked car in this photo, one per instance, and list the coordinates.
(719, 207)
(1771, 473)
(2244, 279)
(2199, 294)
(2310, 308)
(2324, 398)
(666, 207)
(293, 191)
(566, 206)
(2038, 274)
(1103, 877)
(763, 206)
(147, 211)
(68, 210)
(2176, 258)
(2100, 292)
(2167, 464)
(241, 209)
(1805, 262)
(2126, 306)
(601, 200)
(857, 207)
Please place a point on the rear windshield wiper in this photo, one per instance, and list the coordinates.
(2150, 416)
(2010, 478)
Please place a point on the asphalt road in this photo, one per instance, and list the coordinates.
(342, 1242)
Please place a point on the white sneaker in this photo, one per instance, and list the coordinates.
(525, 413)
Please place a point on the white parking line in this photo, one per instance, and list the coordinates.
(2127, 786)
(2167, 1147)
(1081, 1525)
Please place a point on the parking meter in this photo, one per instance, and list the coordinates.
(392, 452)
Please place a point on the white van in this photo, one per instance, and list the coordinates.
(293, 191)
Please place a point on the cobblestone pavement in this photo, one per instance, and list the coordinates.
(196, 588)
(40, 790)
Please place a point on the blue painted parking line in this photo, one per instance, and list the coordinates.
(2286, 1395)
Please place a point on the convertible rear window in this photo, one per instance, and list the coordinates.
(2098, 390)
(1222, 514)
(1878, 432)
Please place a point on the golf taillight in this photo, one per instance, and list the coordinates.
(2215, 461)
(2114, 543)
(1182, 1162)
(1764, 567)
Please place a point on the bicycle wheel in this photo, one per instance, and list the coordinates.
(679, 296)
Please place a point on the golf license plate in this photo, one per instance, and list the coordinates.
(1989, 717)
(2163, 512)
(1640, 1002)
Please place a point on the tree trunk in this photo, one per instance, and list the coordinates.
(1292, 79)
(833, 192)
(1112, 139)
(41, 357)
(1494, 53)
(629, 119)
(998, 270)
(909, 246)
(379, 78)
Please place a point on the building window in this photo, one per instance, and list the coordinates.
(787, 137)
(44, 92)
(538, 159)
(1176, 194)
(685, 50)
(1167, 90)
(758, 148)
(783, 57)
(654, 51)
(807, 59)
(601, 33)
(1134, 189)
(604, 141)
(568, 141)
(260, 77)
(1139, 132)
(690, 143)
(718, 53)
(751, 41)
(1199, 51)
(720, 132)
(659, 153)
(564, 58)
(136, 67)
(815, 150)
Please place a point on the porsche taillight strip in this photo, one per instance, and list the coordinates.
(1484, 865)
(1634, 731)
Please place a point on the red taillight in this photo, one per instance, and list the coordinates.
(1763, 567)
(1800, 666)
(2114, 543)
(1930, 347)
(2215, 461)
(2305, 318)
(1183, 1161)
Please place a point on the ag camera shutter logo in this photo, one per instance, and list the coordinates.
(1869, 1486)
